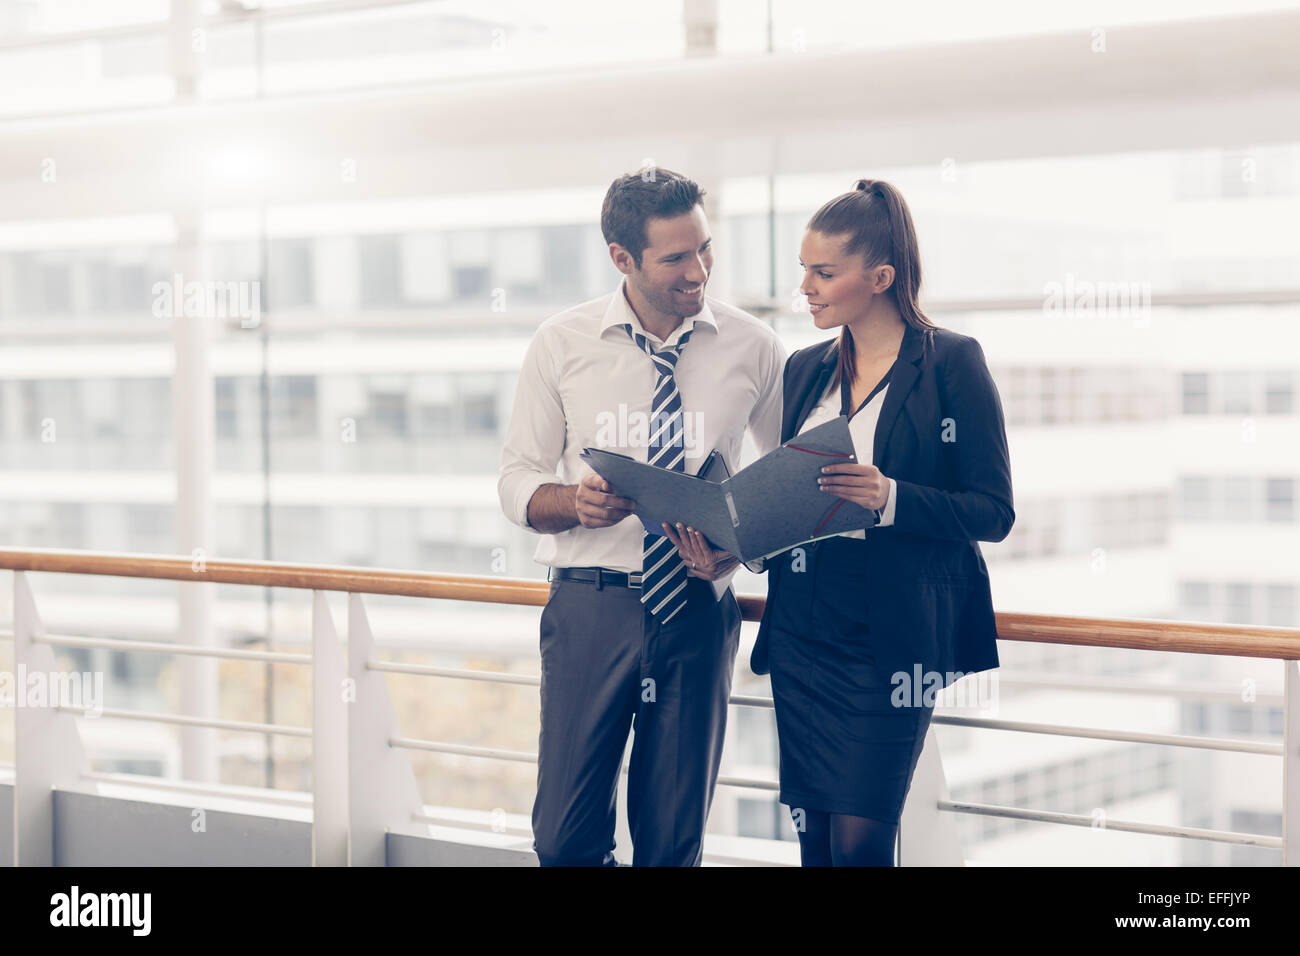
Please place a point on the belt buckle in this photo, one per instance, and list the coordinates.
(634, 581)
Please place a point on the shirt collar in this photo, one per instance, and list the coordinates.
(619, 313)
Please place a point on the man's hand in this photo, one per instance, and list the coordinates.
(702, 561)
(597, 505)
(862, 484)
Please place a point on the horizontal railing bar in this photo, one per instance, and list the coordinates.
(1126, 736)
(1024, 680)
(207, 789)
(1032, 681)
(422, 816)
(464, 750)
(1127, 826)
(1176, 740)
(1183, 637)
(459, 673)
(1205, 743)
(1156, 635)
(503, 677)
(394, 667)
(751, 783)
(1173, 740)
(280, 574)
(750, 700)
(283, 730)
(519, 756)
(162, 647)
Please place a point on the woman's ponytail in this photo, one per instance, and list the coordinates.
(875, 222)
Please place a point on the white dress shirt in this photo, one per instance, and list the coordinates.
(862, 428)
(585, 383)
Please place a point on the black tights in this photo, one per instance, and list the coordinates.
(839, 839)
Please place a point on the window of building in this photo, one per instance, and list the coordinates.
(1196, 718)
(387, 406)
(1196, 393)
(293, 406)
(225, 409)
(763, 819)
(1279, 501)
(1194, 495)
(1238, 498)
(1279, 393)
(1280, 603)
(1238, 603)
(1236, 393)
(290, 279)
(1195, 600)
(379, 258)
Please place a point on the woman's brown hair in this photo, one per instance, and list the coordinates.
(875, 221)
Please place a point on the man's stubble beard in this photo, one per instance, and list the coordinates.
(663, 302)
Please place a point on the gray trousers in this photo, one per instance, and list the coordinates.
(607, 664)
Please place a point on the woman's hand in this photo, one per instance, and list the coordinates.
(862, 484)
(701, 560)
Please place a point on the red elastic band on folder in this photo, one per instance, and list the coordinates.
(829, 515)
(824, 454)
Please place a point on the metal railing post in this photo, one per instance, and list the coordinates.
(329, 740)
(382, 790)
(47, 746)
(1291, 763)
(927, 836)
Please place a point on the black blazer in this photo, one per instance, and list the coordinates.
(920, 585)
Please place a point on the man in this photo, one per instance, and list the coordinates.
(630, 634)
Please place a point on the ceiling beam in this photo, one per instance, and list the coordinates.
(1207, 83)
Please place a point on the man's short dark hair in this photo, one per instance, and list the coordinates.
(634, 199)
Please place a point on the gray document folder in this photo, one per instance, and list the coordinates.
(768, 507)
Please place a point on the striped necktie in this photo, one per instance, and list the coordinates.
(663, 573)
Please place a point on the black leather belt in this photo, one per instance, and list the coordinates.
(600, 577)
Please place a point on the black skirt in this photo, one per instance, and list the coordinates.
(845, 747)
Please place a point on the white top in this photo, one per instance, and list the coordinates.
(585, 383)
(862, 427)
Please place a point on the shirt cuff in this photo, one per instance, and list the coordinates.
(887, 515)
(526, 486)
(721, 584)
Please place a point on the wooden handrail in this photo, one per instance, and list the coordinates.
(1149, 635)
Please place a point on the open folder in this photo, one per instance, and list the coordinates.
(763, 509)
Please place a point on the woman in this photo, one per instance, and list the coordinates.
(854, 620)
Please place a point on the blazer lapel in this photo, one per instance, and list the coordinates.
(901, 382)
(812, 389)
